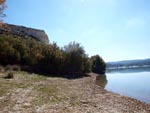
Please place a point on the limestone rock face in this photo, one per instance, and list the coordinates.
(37, 34)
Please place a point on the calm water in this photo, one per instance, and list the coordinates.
(134, 83)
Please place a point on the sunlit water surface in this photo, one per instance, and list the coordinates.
(133, 83)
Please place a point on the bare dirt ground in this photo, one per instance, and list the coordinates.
(31, 93)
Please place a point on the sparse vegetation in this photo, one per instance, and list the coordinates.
(34, 93)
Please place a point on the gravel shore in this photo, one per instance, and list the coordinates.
(28, 93)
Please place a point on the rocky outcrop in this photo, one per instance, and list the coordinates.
(26, 32)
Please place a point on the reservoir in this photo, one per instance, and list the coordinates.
(133, 83)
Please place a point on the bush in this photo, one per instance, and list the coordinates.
(8, 68)
(9, 75)
(97, 64)
(16, 68)
(12, 68)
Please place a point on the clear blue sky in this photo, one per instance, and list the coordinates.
(114, 29)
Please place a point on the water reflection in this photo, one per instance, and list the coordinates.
(130, 82)
(101, 80)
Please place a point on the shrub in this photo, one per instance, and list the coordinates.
(16, 68)
(97, 64)
(9, 75)
(8, 67)
(12, 68)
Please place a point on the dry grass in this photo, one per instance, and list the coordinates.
(1, 69)
(28, 93)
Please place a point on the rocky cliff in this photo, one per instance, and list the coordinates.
(26, 32)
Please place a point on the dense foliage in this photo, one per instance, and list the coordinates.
(97, 64)
(34, 56)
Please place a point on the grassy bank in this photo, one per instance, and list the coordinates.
(31, 93)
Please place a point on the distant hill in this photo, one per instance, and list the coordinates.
(26, 32)
(129, 64)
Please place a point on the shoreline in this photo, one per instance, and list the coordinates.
(28, 93)
(120, 100)
(96, 80)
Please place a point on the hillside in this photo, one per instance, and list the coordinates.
(129, 63)
(25, 32)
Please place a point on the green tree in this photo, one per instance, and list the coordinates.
(75, 59)
(97, 64)
(8, 55)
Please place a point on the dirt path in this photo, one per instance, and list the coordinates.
(34, 94)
